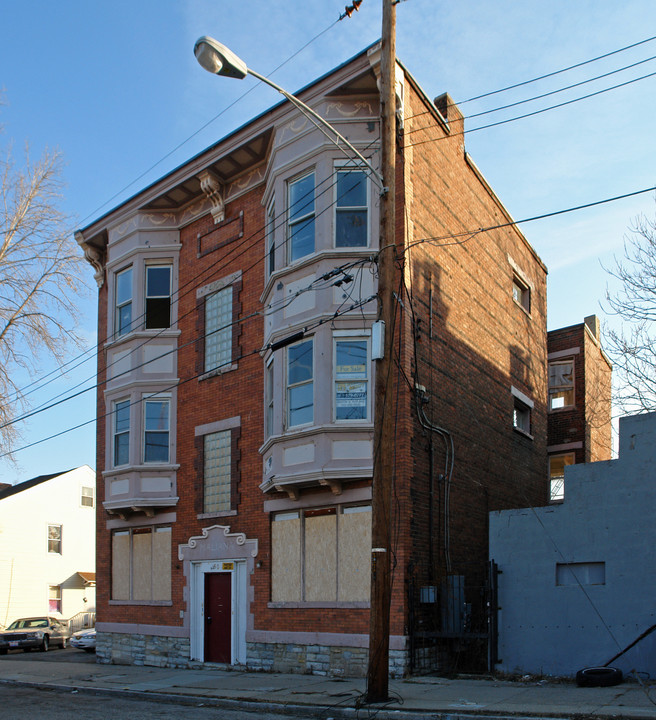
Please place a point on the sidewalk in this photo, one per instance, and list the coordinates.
(417, 698)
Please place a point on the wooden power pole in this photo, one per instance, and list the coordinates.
(384, 440)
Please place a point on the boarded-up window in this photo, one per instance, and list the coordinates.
(321, 555)
(354, 581)
(141, 564)
(286, 553)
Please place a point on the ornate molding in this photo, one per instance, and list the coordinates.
(210, 185)
(217, 535)
(95, 257)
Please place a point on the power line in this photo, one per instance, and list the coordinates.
(531, 114)
(556, 72)
(257, 351)
(537, 97)
(469, 234)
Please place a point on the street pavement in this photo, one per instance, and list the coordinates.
(416, 698)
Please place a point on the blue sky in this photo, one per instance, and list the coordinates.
(116, 88)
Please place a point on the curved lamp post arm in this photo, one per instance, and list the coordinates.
(219, 60)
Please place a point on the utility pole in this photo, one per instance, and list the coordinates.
(384, 440)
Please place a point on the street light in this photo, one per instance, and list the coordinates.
(220, 60)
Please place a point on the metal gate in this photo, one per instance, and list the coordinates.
(453, 625)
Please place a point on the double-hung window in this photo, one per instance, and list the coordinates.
(300, 227)
(123, 309)
(156, 430)
(218, 329)
(351, 221)
(561, 384)
(217, 461)
(55, 539)
(158, 296)
(121, 433)
(351, 380)
(300, 383)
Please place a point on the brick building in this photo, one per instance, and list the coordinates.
(578, 427)
(235, 403)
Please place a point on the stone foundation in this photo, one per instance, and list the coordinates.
(318, 659)
(154, 650)
(174, 652)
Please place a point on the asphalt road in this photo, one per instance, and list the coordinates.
(25, 703)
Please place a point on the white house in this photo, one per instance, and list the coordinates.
(48, 546)
(577, 585)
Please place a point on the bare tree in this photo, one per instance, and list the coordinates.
(633, 347)
(40, 280)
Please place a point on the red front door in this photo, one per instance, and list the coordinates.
(218, 617)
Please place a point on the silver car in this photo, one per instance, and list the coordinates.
(84, 640)
(35, 632)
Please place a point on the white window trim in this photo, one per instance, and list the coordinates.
(288, 426)
(114, 405)
(342, 166)
(144, 401)
(345, 336)
(313, 214)
(157, 264)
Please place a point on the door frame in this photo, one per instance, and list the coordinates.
(238, 604)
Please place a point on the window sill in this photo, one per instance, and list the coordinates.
(523, 433)
(223, 513)
(519, 305)
(364, 604)
(156, 603)
(146, 467)
(218, 372)
(139, 334)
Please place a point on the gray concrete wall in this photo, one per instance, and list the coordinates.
(608, 516)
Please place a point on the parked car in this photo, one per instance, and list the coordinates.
(34, 632)
(84, 640)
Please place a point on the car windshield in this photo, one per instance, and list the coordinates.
(28, 623)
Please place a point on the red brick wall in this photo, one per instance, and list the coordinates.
(481, 343)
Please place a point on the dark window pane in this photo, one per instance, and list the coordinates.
(300, 362)
(351, 228)
(124, 319)
(158, 281)
(121, 449)
(158, 313)
(351, 189)
(156, 447)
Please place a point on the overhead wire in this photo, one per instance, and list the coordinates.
(95, 212)
(173, 386)
(527, 115)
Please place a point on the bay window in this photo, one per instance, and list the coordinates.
(158, 296)
(121, 433)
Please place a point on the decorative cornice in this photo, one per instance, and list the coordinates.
(237, 538)
(210, 185)
(95, 257)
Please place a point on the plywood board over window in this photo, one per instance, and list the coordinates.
(286, 558)
(320, 555)
(354, 580)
